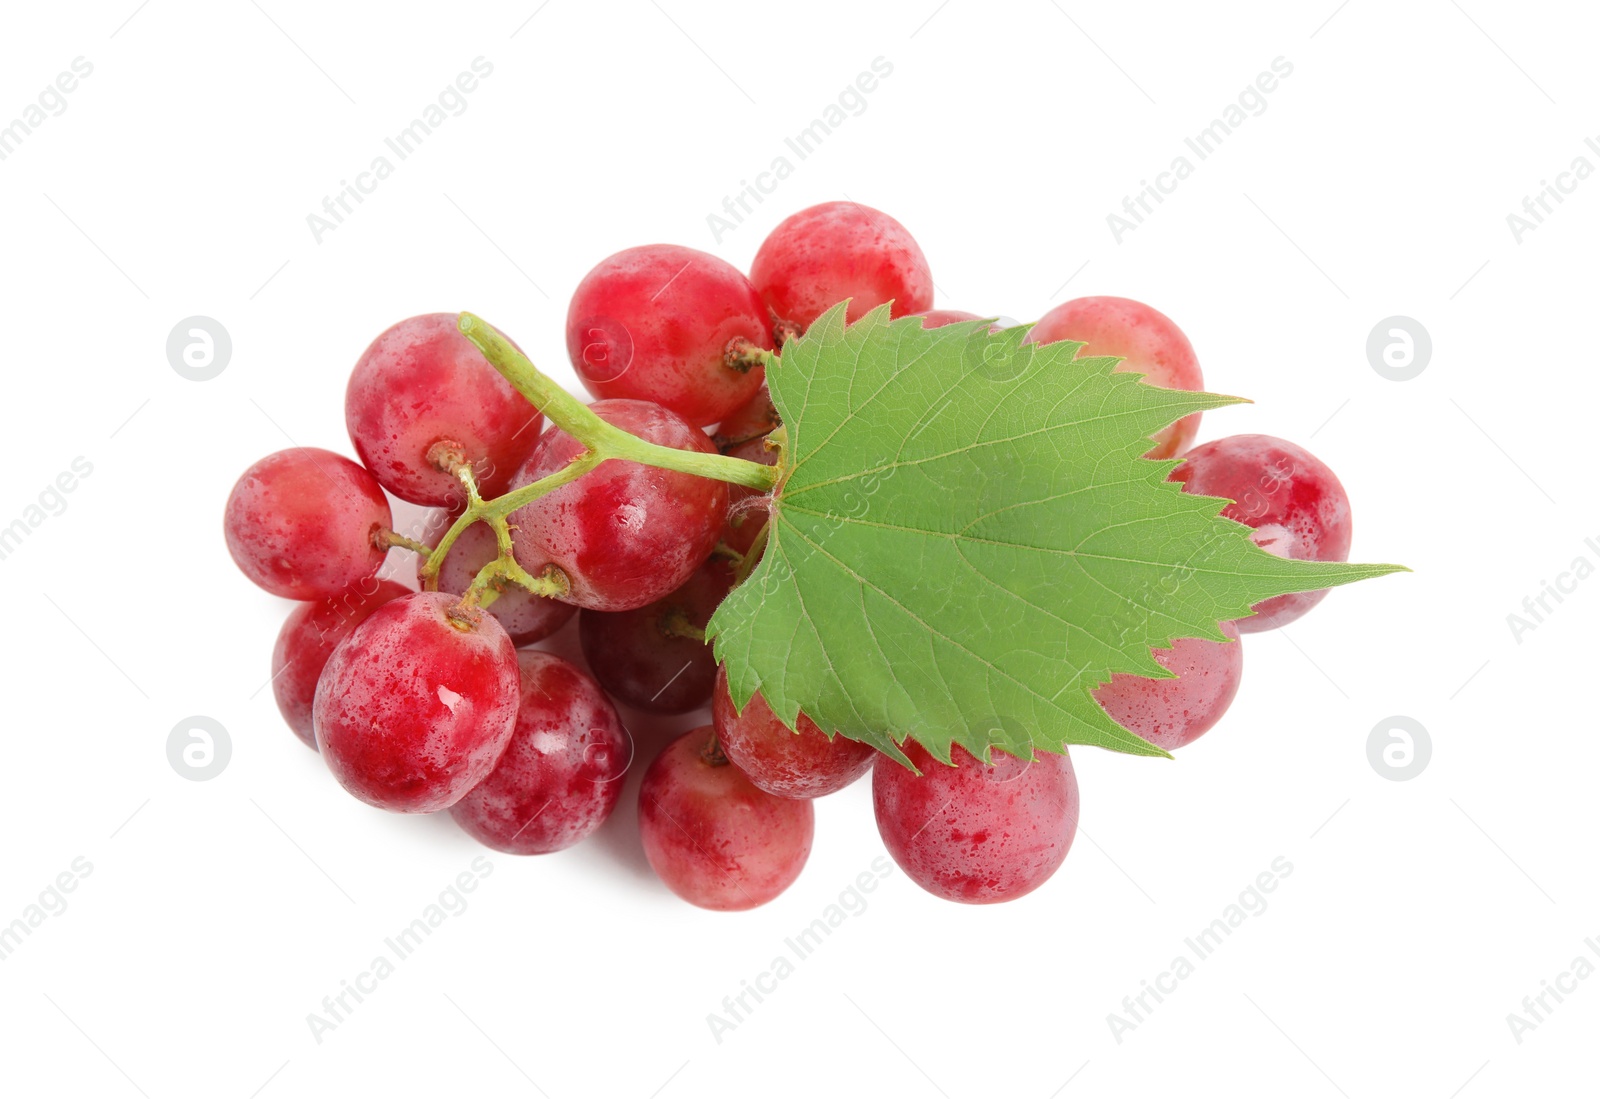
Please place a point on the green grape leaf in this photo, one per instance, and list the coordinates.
(967, 541)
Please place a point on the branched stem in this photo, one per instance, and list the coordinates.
(601, 442)
(598, 437)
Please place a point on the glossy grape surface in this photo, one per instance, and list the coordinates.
(639, 658)
(561, 773)
(1295, 504)
(714, 838)
(803, 763)
(1170, 713)
(300, 523)
(414, 708)
(1148, 342)
(422, 382)
(974, 832)
(625, 534)
(819, 257)
(308, 637)
(653, 324)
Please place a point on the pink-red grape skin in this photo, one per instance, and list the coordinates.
(300, 523)
(527, 617)
(308, 637)
(561, 774)
(1170, 713)
(714, 838)
(803, 763)
(1148, 342)
(412, 711)
(1294, 503)
(653, 323)
(972, 832)
(638, 658)
(938, 318)
(819, 257)
(748, 508)
(751, 420)
(422, 382)
(625, 534)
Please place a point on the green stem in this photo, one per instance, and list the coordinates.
(384, 539)
(600, 439)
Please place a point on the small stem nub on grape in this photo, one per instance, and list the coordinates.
(384, 538)
(712, 753)
(744, 355)
(783, 331)
(675, 622)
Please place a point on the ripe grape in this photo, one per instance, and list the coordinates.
(751, 420)
(654, 323)
(423, 383)
(748, 508)
(976, 832)
(645, 658)
(300, 523)
(938, 318)
(716, 839)
(527, 617)
(561, 774)
(803, 763)
(1295, 504)
(416, 705)
(308, 637)
(1170, 713)
(624, 533)
(1149, 344)
(819, 257)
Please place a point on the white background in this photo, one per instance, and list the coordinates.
(1377, 182)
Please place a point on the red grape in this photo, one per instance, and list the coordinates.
(748, 508)
(938, 318)
(640, 660)
(653, 324)
(561, 774)
(527, 617)
(756, 417)
(975, 832)
(1149, 344)
(416, 705)
(624, 533)
(1295, 504)
(1170, 713)
(712, 836)
(422, 382)
(300, 523)
(308, 637)
(803, 763)
(819, 257)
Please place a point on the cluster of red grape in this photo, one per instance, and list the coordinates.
(431, 700)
